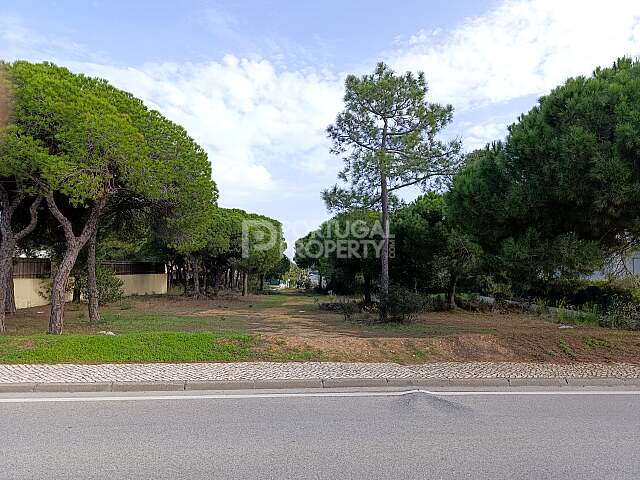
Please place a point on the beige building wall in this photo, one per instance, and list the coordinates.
(144, 284)
(27, 290)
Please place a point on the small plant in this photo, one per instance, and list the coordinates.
(591, 342)
(566, 348)
(623, 314)
(348, 308)
(109, 286)
(404, 304)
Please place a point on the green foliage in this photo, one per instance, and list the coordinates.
(622, 314)
(109, 285)
(404, 304)
(345, 248)
(280, 269)
(388, 130)
(263, 244)
(562, 192)
(431, 253)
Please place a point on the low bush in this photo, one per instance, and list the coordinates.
(404, 304)
(109, 286)
(622, 314)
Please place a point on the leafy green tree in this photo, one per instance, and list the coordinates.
(98, 144)
(18, 157)
(278, 271)
(431, 253)
(345, 247)
(562, 193)
(388, 137)
(262, 247)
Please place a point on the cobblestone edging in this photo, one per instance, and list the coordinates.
(199, 376)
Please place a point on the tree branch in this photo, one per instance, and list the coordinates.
(62, 220)
(33, 211)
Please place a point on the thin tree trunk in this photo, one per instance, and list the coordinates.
(10, 299)
(8, 242)
(6, 259)
(216, 282)
(169, 267)
(384, 276)
(59, 287)
(204, 281)
(75, 298)
(73, 247)
(451, 293)
(367, 288)
(185, 280)
(92, 279)
(245, 284)
(261, 281)
(196, 277)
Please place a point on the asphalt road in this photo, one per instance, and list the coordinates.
(415, 435)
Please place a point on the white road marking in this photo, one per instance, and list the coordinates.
(223, 396)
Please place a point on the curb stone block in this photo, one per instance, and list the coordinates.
(354, 382)
(17, 387)
(74, 387)
(147, 386)
(220, 385)
(284, 383)
(419, 382)
(537, 382)
(595, 382)
(479, 382)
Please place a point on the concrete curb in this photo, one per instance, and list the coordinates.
(326, 383)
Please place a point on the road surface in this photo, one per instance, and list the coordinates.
(372, 435)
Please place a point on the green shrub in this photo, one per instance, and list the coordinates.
(109, 286)
(404, 304)
(622, 314)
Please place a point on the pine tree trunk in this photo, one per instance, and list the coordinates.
(182, 271)
(10, 299)
(73, 246)
(367, 288)
(75, 298)
(59, 286)
(245, 284)
(196, 278)
(216, 282)
(6, 258)
(204, 282)
(384, 276)
(8, 242)
(92, 280)
(451, 294)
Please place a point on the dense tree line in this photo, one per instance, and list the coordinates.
(87, 170)
(553, 201)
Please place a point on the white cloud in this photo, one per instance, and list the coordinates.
(251, 118)
(521, 48)
(479, 134)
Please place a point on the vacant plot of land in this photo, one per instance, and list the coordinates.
(291, 326)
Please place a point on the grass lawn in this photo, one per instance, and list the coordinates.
(289, 326)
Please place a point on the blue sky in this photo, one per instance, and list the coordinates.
(257, 82)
